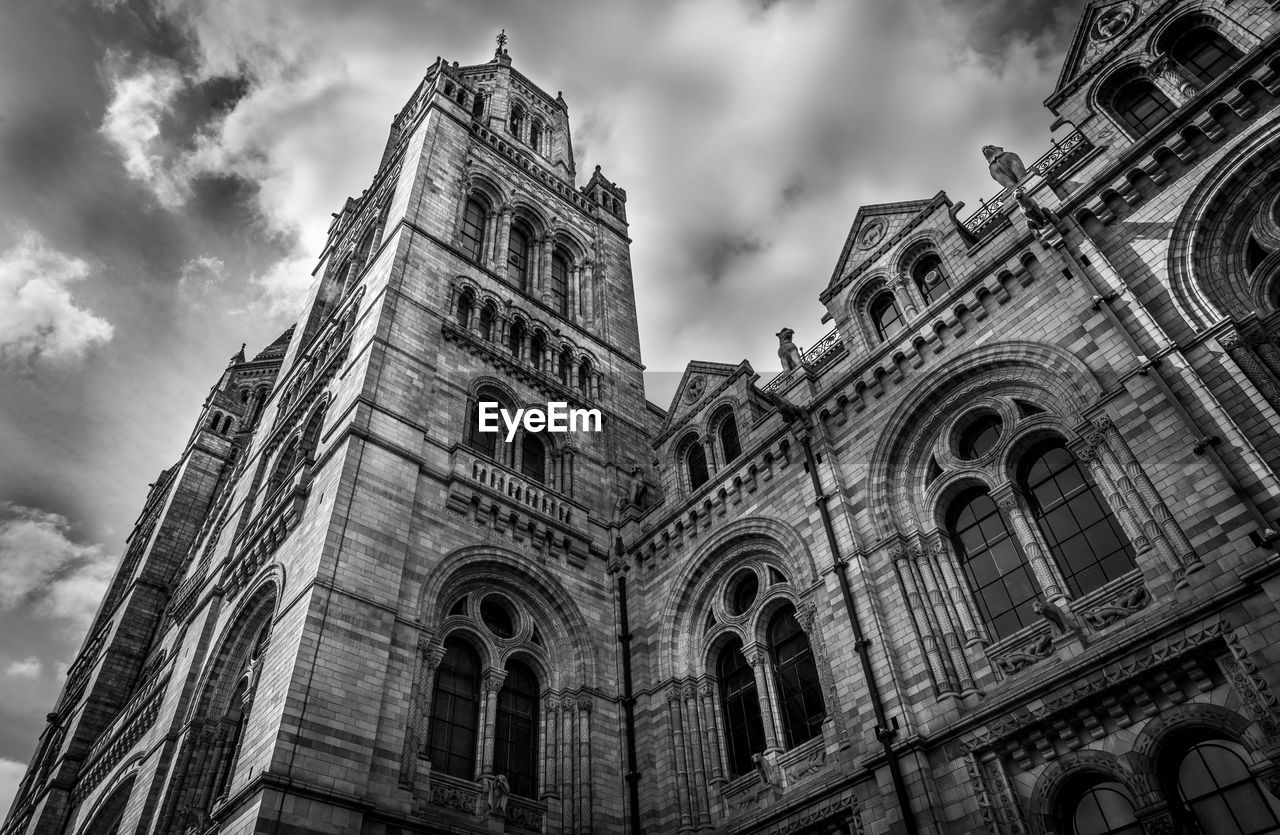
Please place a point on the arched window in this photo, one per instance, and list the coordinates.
(533, 459)
(730, 446)
(485, 443)
(1216, 788)
(465, 304)
(980, 436)
(1140, 105)
(1079, 529)
(488, 318)
(1204, 53)
(473, 221)
(740, 706)
(695, 463)
(564, 365)
(1103, 808)
(515, 750)
(535, 135)
(584, 377)
(559, 284)
(538, 350)
(799, 691)
(477, 106)
(455, 712)
(885, 317)
(927, 273)
(518, 255)
(516, 123)
(515, 339)
(284, 466)
(311, 435)
(998, 575)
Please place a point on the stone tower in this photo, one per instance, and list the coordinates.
(340, 548)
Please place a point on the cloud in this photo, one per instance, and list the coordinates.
(41, 565)
(38, 317)
(199, 277)
(141, 97)
(28, 667)
(10, 776)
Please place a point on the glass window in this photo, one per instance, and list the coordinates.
(535, 135)
(537, 350)
(516, 122)
(485, 443)
(1204, 53)
(1079, 529)
(695, 458)
(533, 462)
(929, 278)
(515, 750)
(477, 105)
(455, 712)
(799, 691)
(515, 339)
(1141, 106)
(473, 220)
(998, 575)
(559, 284)
(729, 444)
(518, 256)
(740, 706)
(1222, 795)
(488, 317)
(1105, 809)
(565, 364)
(584, 378)
(885, 316)
(980, 436)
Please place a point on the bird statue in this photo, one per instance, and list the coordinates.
(1005, 166)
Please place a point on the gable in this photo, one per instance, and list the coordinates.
(875, 230)
(1105, 27)
(699, 385)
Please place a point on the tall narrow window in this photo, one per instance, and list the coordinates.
(799, 691)
(455, 712)
(538, 350)
(473, 221)
(885, 317)
(533, 460)
(1140, 105)
(485, 443)
(1002, 584)
(1081, 533)
(516, 123)
(535, 135)
(1103, 809)
(284, 467)
(584, 377)
(929, 277)
(463, 314)
(1217, 789)
(518, 256)
(488, 318)
(559, 284)
(695, 462)
(515, 750)
(477, 105)
(1204, 53)
(729, 443)
(515, 339)
(740, 706)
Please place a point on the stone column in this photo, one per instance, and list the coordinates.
(1171, 81)
(917, 608)
(585, 772)
(1118, 495)
(503, 242)
(939, 606)
(550, 737)
(1010, 502)
(568, 763)
(697, 753)
(758, 657)
(1257, 373)
(490, 685)
(707, 694)
(975, 634)
(544, 269)
(910, 295)
(680, 768)
(807, 617)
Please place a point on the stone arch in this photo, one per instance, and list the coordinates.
(681, 630)
(257, 609)
(899, 462)
(1155, 738)
(489, 186)
(523, 208)
(1065, 773)
(561, 621)
(1206, 276)
(107, 814)
(1106, 84)
(1191, 14)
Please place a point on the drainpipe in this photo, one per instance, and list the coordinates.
(885, 731)
(628, 699)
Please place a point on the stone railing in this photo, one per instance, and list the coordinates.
(520, 489)
(822, 354)
(1049, 165)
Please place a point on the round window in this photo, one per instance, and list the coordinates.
(497, 616)
(980, 435)
(742, 591)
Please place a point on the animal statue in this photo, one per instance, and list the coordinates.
(787, 350)
(499, 792)
(1005, 166)
(1038, 217)
(637, 487)
(1059, 621)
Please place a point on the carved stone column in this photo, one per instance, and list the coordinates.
(544, 269)
(502, 241)
(423, 689)
(909, 295)
(585, 772)
(758, 657)
(707, 695)
(550, 745)
(1046, 575)
(697, 754)
(490, 685)
(1121, 497)
(1169, 77)
(568, 763)
(680, 766)
(807, 617)
(941, 610)
(916, 608)
(974, 632)
(1257, 373)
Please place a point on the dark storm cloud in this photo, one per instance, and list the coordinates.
(184, 155)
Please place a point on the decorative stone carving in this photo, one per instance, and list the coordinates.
(770, 775)
(499, 791)
(1024, 656)
(1005, 166)
(1061, 622)
(1038, 217)
(1135, 600)
(1112, 22)
(787, 350)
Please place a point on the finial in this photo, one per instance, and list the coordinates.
(502, 40)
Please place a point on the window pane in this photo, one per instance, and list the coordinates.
(473, 219)
(797, 678)
(516, 734)
(560, 284)
(451, 737)
(1001, 582)
(740, 706)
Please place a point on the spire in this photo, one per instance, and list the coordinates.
(239, 355)
(500, 54)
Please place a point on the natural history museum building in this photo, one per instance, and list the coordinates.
(998, 555)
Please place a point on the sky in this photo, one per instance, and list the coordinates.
(169, 167)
